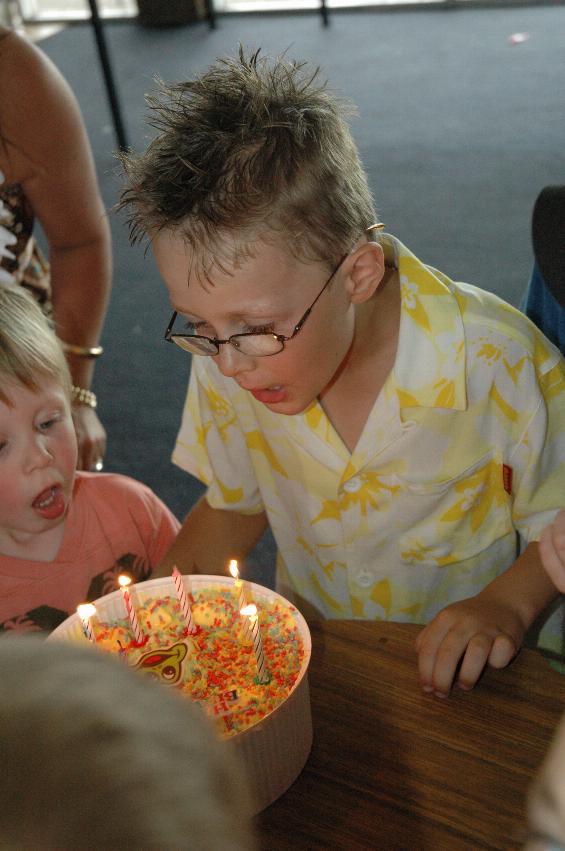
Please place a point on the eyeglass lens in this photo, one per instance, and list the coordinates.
(249, 344)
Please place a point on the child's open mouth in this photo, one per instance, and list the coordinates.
(50, 503)
(270, 395)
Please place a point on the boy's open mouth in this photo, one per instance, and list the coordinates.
(269, 395)
(50, 503)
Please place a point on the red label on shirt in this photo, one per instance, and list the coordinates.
(507, 478)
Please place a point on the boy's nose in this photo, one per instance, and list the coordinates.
(38, 453)
(232, 362)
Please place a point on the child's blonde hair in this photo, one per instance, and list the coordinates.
(250, 150)
(30, 353)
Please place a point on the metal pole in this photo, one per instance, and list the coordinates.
(108, 75)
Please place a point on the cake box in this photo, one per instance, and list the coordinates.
(274, 750)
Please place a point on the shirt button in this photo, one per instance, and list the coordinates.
(364, 579)
(352, 485)
(442, 550)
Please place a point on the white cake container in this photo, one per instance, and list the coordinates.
(274, 751)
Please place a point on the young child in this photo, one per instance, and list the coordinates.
(552, 550)
(64, 535)
(403, 435)
(95, 756)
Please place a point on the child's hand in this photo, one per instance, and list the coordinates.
(474, 632)
(552, 550)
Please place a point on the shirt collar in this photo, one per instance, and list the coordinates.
(429, 369)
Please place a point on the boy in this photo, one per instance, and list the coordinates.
(397, 431)
(64, 535)
(95, 756)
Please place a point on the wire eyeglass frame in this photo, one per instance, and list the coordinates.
(198, 344)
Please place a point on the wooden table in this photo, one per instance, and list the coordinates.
(394, 768)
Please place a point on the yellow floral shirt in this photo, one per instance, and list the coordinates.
(461, 461)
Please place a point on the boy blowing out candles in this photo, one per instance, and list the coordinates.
(402, 434)
(64, 535)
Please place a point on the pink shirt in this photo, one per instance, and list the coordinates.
(114, 525)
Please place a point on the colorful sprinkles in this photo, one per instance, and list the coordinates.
(218, 668)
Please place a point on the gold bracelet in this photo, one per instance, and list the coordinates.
(81, 396)
(82, 351)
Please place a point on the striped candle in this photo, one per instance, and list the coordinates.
(240, 594)
(183, 601)
(85, 612)
(138, 636)
(250, 612)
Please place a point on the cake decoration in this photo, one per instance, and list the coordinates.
(165, 665)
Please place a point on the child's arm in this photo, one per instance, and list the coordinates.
(552, 550)
(488, 628)
(210, 537)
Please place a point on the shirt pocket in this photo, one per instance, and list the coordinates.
(451, 520)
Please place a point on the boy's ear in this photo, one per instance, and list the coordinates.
(365, 272)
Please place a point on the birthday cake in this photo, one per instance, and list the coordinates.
(216, 666)
(259, 704)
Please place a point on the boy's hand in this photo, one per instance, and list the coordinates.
(552, 550)
(474, 632)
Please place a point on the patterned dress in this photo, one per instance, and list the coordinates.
(21, 260)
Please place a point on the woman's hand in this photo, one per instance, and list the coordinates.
(91, 437)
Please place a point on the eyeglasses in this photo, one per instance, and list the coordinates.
(258, 345)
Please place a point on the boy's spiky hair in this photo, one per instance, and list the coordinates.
(30, 353)
(250, 148)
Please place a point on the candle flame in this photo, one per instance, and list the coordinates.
(124, 580)
(86, 610)
(249, 611)
(233, 568)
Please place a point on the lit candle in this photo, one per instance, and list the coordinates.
(250, 612)
(238, 584)
(183, 601)
(138, 636)
(85, 612)
(239, 593)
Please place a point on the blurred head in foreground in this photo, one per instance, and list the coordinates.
(546, 803)
(95, 756)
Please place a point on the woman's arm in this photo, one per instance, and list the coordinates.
(46, 150)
